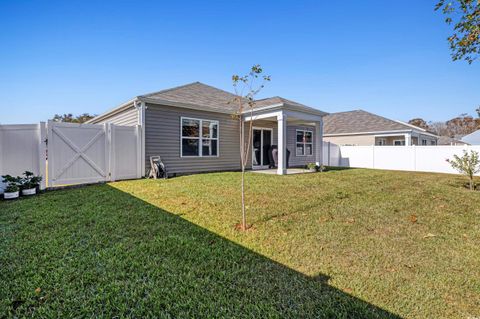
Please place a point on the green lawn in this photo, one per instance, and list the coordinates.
(351, 244)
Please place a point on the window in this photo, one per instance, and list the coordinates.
(382, 141)
(398, 142)
(433, 142)
(424, 142)
(199, 137)
(304, 143)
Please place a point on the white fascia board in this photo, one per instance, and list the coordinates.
(254, 117)
(263, 108)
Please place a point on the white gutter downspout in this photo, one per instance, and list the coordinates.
(140, 106)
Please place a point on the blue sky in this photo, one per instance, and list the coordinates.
(387, 57)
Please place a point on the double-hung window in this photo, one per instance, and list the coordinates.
(199, 137)
(304, 143)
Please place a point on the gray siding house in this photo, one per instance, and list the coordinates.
(193, 128)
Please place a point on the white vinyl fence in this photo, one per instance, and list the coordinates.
(403, 158)
(66, 153)
(21, 147)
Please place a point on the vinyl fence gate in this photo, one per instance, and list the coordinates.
(91, 153)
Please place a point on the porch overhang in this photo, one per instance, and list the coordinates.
(285, 116)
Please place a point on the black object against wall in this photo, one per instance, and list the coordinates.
(273, 157)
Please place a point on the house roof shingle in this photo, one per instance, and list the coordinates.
(198, 94)
(360, 121)
(276, 100)
(204, 97)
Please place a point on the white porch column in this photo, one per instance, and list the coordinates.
(282, 144)
(319, 143)
(408, 139)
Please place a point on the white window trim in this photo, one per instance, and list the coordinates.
(400, 142)
(304, 143)
(200, 138)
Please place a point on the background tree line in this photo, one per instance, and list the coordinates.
(70, 118)
(457, 127)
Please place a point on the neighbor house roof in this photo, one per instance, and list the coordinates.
(359, 121)
(472, 138)
(204, 97)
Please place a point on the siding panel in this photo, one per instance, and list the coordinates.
(162, 137)
(128, 117)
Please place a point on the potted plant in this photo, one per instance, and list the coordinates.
(12, 190)
(30, 183)
(312, 167)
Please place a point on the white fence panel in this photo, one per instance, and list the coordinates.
(22, 148)
(434, 158)
(405, 158)
(362, 156)
(331, 154)
(77, 153)
(394, 158)
(125, 152)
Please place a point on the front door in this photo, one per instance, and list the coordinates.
(261, 142)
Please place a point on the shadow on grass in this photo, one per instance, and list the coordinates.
(338, 168)
(97, 251)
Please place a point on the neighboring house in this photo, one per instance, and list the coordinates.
(363, 128)
(445, 140)
(193, 128)
(472, 138)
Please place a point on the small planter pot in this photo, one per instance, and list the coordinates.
(28, 192)
(12, 195)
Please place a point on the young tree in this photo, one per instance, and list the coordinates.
(468, 164)
(465, 40)
(246, 88)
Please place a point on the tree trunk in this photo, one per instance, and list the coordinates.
(471, 183)
(244, 215)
